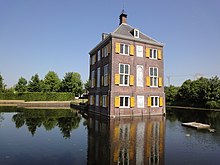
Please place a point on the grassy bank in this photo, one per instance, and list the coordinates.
(38, 96)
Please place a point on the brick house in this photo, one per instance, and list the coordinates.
(126, 74)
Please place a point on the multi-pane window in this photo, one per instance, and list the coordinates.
(153, 53)
(93, 79)
(99, 55)
(154, 101)
(97, 100)
(124, 71)
(93, 59)
(104, 101)
(91, 100)
(105, 51)
(98, 77)
(106, 75)
(153, 76)
(124, 101)
(124, 49)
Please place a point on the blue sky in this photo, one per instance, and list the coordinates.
(37, 36)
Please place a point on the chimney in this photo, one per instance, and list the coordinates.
(123, 17)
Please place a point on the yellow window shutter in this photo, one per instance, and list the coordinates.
(131, 80)
(102, 52)
(117, 47)
(131, 50)
(109, 79)
(159, 55)
(160, 82)
(100, 101)
(117, 79)
(149, 101)
(132, 102)
(117, 101)
(94, 58)
(161, 101)
(148, 81)
(148, 52)
(94, 82)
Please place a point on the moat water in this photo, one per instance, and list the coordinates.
(68, 137)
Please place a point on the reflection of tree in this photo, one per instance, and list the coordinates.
(1, 118)
(64, 119)
(67, 124)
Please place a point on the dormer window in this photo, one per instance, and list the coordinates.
(136, 33)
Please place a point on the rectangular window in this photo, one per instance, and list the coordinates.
(140, 75)
(139, 51)
(136, 33)
(124, 72)
(153, 76)
(93, 79)
(93, 59)
(124, 49)
(98, 77)
(105, 51)
(104, 101)
(91, 99)
(140, 101)
(99, 55)
(154, 101)
(153, 53)
(124, 102)
(106, 75)
(97, 100)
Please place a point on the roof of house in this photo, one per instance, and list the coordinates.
(125, 31)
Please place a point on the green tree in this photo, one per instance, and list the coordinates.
(2, 85)
(21, 86)
(35, 85)
(171, 94)
(86, 86)
(51, 82)
(72, 83)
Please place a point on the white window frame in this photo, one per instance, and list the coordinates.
(122, 49)
(124, 75)
(97, 100)
(92, 78)
(99, 55)
(123, 97)
(98, 77)
(152, 55)
(136, 31)
(140, 98)
(153, 78)
(106, 75)
(137, 77)
(104, 100)
(154, 100)
(139, 51)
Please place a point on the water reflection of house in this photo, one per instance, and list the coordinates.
(126, 141)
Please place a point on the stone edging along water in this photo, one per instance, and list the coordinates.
(192, 108)
(35, 104)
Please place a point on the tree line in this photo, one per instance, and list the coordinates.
(203, 92)
(71, 82)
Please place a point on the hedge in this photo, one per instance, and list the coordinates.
(38, 96)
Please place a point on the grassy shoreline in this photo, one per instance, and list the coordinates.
(192, 108)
